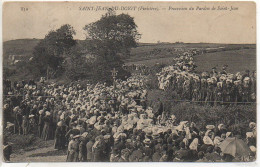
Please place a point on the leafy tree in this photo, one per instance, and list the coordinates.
(109, 37)
(76, 64)
(50, 52)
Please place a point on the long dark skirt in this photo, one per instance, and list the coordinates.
(46, 132)
(59, 142)
(72, 156)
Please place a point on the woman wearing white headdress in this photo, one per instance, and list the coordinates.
(252, 126)
(207, 140)
(40, 123)
(46, 129)
(206, 143)
(194, 144)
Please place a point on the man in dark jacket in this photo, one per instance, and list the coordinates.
(98, 149)
(82, 150)
(89, 149)
(19, 121)
(137, 155)
(73, 149)
(182, 155)
(7, 151)
(59, 139)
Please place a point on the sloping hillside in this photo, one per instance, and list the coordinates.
(20, 46)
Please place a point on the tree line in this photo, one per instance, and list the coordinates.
(107, 41)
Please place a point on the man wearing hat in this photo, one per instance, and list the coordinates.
(75, 131)
(147, 151)
(210, 91)
(124, 156)
(253, 86)
(203, 89)
(182, 155)
(25, 125)
(73, 149)
(19, 120)
(228, 90)
(98, 149)
(7, 150)
(164, 157)
(129, 145)
(82, 148)
(89, 146)
(59, 138)
(157, 154)
(213, 73)
(158, 108)
(119, 141)
(137, 155)
(224, 68)
(246, 89)
(32, 128)
(107, 147)
(115, 156)
(148, 135)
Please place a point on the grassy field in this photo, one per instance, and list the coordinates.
(153, 61)
(237, 60)
(239, 57)
(150, 54)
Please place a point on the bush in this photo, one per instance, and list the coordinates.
(19, 141)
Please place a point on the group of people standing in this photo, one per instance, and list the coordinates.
(106, 123)
(207, 87)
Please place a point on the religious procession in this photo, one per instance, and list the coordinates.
(211, 88)
(115, 88)
(100, 123)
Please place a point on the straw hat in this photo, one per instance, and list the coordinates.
(155, 136)
(210, 127)
(77, 136)
(147, 141)
(246, 79)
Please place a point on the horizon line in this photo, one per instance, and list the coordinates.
(165, 42)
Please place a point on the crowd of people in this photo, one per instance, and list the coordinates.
(206, 87)
(106, 123)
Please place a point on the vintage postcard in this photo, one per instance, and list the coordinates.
(129, 81)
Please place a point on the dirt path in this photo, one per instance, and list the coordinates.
(46, 154)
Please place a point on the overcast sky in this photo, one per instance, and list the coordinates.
(211, 26)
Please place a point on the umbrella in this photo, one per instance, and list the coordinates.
(235, 147)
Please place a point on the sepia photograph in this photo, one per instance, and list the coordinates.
(129, 81)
